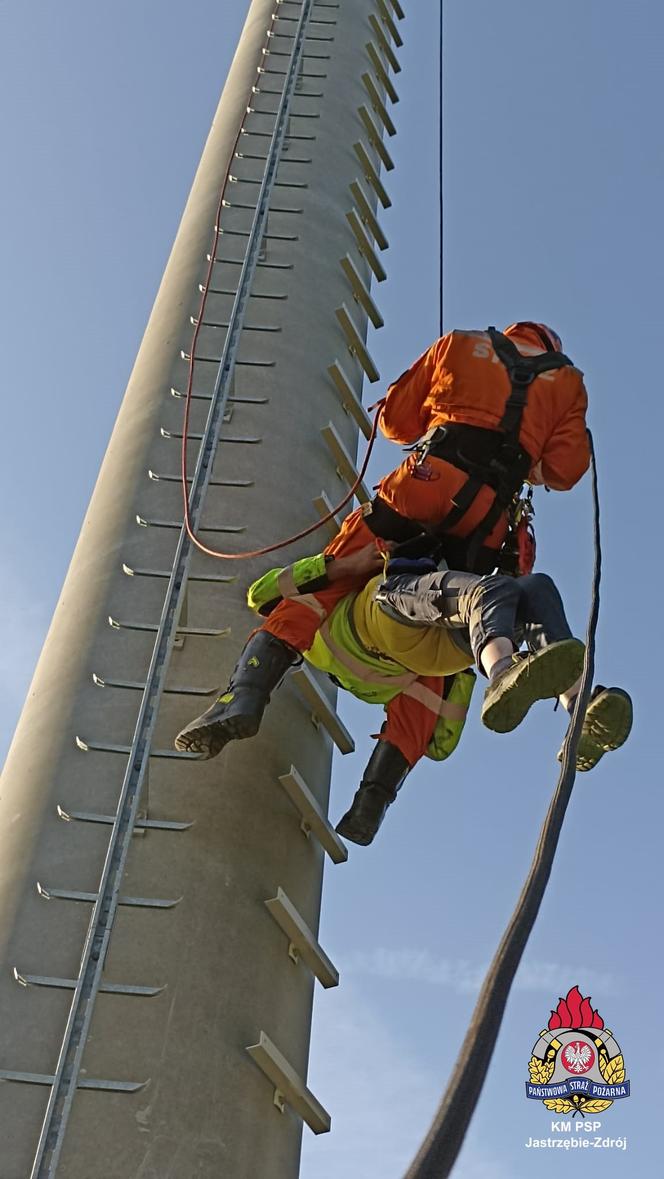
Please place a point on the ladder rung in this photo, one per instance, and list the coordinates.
(232, 293)
(349, 398)
(72, 894)
(152, 628)
(82, 1082)
(321, 708)
(252, 208)
(111, 747)
(139, 686)
(245, 155)
(197, 436)
(381, 73)
(302, 940)
(267, 237)
(69, 984)
(384, 43)
(311, 56)
(356, 345)
(376, 138)
(313, 819)
(378, 104)
(293, 115)
(240, 262)
(277, 183)
(367, 215)
(371, 175)
(161, 478)
(238, 363)
(344, 462)
(324, 507)
(177, 524)
(216, 578)
(248, 327)
(360, 292)
(93, 817)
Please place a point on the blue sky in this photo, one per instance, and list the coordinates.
(554, 184)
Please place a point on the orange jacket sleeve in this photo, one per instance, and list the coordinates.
(405, 417)
(566, 454)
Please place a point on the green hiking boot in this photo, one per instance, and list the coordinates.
(606, 726)
(237, 712)
(539, 676)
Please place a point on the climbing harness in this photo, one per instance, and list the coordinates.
(442, 1144)
(493, 458)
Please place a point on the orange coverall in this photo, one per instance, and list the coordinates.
(458, 379)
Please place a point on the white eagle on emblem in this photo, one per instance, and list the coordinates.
(577, 1056)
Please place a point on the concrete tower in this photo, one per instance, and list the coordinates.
(134, 881)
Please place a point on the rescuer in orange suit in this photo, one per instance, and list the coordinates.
(485, 411)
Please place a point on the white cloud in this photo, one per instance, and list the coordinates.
(463, 977)
(381, 1098)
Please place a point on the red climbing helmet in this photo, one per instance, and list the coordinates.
(546, 335)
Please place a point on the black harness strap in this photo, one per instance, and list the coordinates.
(507, 468)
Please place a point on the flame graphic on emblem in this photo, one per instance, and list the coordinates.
(575, 1012)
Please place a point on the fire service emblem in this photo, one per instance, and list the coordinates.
(576, 1065)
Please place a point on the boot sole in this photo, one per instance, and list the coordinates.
(208, 740)
(607, 726)
(540, 677)
(357, 835)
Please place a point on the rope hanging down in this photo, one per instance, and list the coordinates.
(441, 239)
(442, 1144)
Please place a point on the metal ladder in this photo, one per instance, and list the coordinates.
(131, 816)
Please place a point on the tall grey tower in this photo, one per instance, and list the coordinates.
(158, 917)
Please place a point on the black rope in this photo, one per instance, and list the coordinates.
(440, 165)
(440, 1148)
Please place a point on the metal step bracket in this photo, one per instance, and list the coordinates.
(349, 398)
(375, 138)
(314, 821)
(367, 215)
(378, 105)
(343, 462)
(382, 40)
(381, 72)
(360, 293)
(322, 711)
(289, 1086)
(302, 940)
(356, 345)
(387, 20)
(371, 175)
(324, 507)
(398, 10)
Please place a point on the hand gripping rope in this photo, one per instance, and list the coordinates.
(439, 1151)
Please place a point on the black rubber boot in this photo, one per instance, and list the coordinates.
(238, 712)
(385, 773)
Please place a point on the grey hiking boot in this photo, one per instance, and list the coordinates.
(385, 773)
(606, 726)
(539, 676)
(238, 712)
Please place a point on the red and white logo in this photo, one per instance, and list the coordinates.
(578, 1057)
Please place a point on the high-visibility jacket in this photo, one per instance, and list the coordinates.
(378, 658)
(460, 379)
